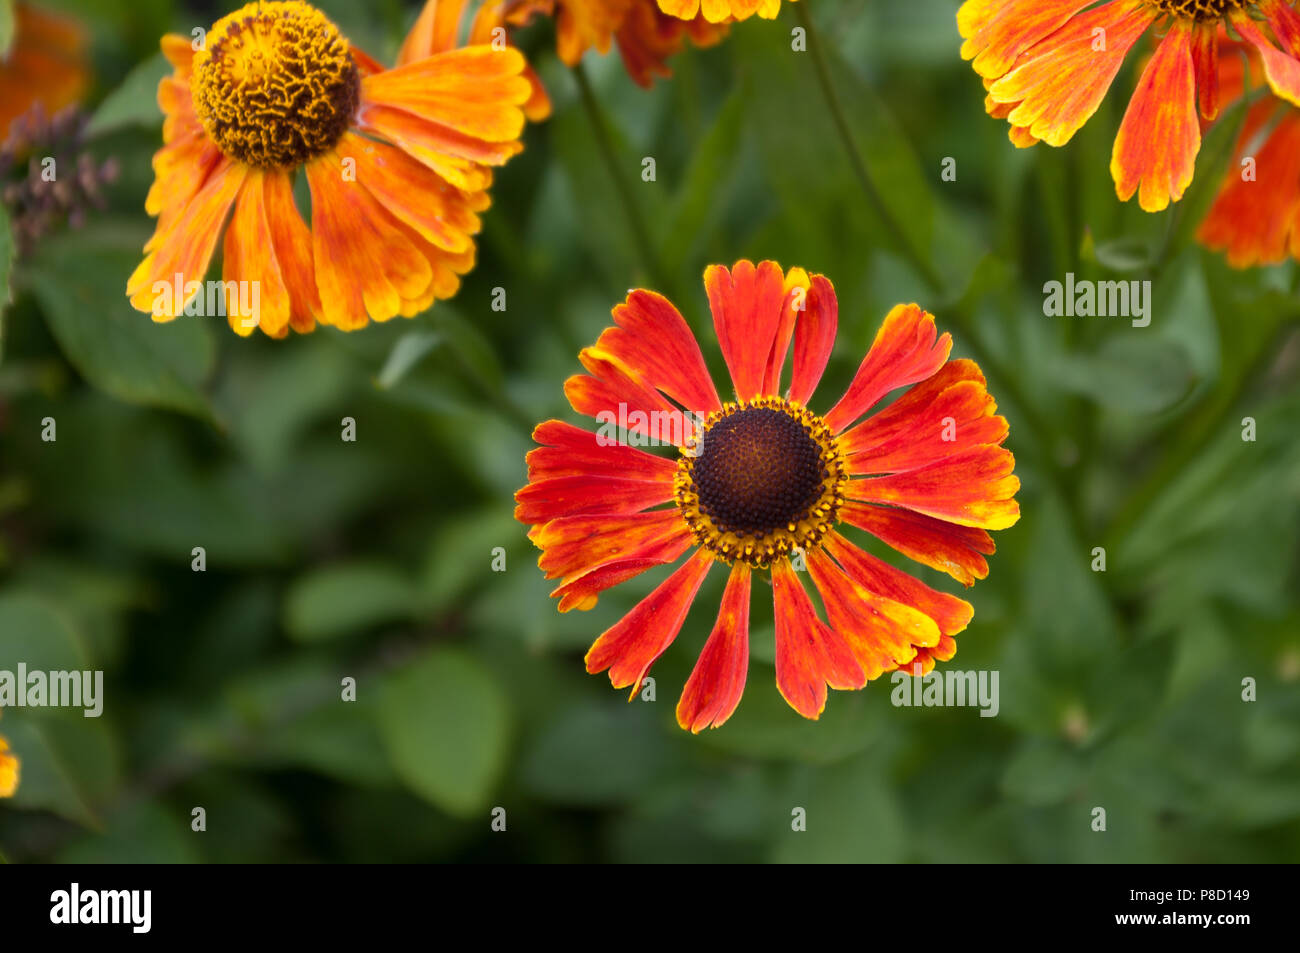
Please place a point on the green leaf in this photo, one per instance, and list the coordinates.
(34, 632)
(596, 754)
(445, 721)
(850, 814)
(79, 279)
(135, 102)
(330, 602)
(409, 350)
(68, 765)
(1133, 373)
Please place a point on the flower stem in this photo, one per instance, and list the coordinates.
(609, 155)
(873, 193)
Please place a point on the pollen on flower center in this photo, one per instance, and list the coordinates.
(275, 84)
(1199, 9)
(764, 480)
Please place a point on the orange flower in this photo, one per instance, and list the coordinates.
(716, 11)
(1047, 65)
(9, 769)
(1255, 217)
(762, 483)
(47, 64)
(397, 163)
(646, 38)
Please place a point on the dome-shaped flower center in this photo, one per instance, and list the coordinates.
(275, 84)
(1199, 9)
(764, 481)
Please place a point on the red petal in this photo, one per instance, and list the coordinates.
(631, 645)
(746, 303)
(905, 351)
(972, 487)
(814, 338)
(809, 655)
(949, 613)
(957, 550)
(572, 451)
(654, 340)
(713, 691)
(574, 545)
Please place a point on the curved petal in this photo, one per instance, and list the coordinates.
(582, 592)
(630, 646)
(881, 633)
(875, 575)
(291, 243)
(543, 500)
(907, 349)
(973, 487)
(575, 545)
(572, 451)
(957, 418)
(1060, 81)
(814, 339)
(614, 395)
(250, 257)
(183, 251)
(746, 302)
(1281, 69)
(718, 680)
(809, 655)
(957, 550)
(1155, 151)
(997, 32)
(654, 340)
(434, 31)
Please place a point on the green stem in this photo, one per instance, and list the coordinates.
(605, 145)
(873, 193)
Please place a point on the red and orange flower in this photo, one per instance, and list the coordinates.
(1047, 65)
(397, 161)
(646, 37)
(716, 11)
(1255, 218)
(48, 63)
(761, 482)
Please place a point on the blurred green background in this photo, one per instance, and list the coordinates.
(372, 559)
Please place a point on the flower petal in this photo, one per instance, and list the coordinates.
(875, 575)
(905, 351)
(365, 265)
(654, 340)
(572, 451)
(973, 487)
(1155, 151)
(718, 680)
(615, 395)
(1060, 81)
(957, 550)
(574, 545)
(746, 303)
(291, 243)
(185, 247)
(582, 592)
(476, 90)
(881, 633)
(250, 257)
(630, 646)
(543, 500)
(814, 339)
(998, 31)
(1281, 69)
(809, 655)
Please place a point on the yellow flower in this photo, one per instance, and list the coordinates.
(397, 161)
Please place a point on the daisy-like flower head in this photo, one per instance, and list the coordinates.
(397, 163)
(47, 64)
(1047, 65)
(1255, 218)
(716, 11)
(763, 484)
(9, 769)
(646, 37)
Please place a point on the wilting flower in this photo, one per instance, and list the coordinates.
(761, 482)
(397, 163)
(9, 769)
(646, 38)
(1047, 65)
(47, 64)
(715, 11)
(1255, 218)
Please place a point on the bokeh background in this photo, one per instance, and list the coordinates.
(372, 559)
